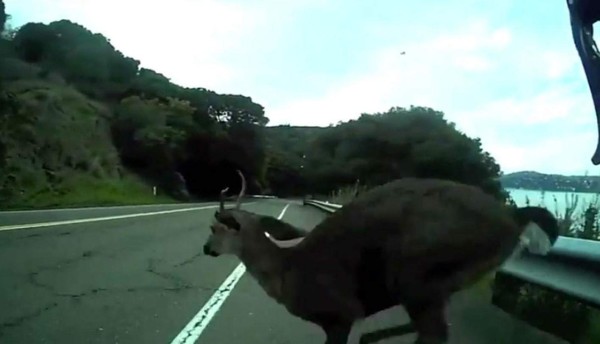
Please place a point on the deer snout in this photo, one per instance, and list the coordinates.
(209, 252)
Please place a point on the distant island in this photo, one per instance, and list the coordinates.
(532, 180)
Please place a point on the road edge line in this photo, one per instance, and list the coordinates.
(103, 218)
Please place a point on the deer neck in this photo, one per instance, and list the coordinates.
(267, 264)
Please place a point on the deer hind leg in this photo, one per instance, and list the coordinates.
(337, 332)
(429, 320)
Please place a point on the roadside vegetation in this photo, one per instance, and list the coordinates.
(82, 124)
(570, 319)
(530, 180)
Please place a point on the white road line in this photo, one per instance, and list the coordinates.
(3, 212)
(96, 219)
(192, 331)
(51, 210)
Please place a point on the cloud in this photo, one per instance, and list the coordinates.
(433, 72)
(567, 153)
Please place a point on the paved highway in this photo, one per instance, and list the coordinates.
(113, 276)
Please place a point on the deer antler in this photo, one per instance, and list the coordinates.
(242, 191)
(222, 199)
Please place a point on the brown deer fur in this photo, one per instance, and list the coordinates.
(410, 242)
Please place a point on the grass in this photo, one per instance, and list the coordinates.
(58, 152)
(594, 328)
(86, 191)
(346, 194)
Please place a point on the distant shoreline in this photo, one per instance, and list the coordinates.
(536, 181)
(555, 191)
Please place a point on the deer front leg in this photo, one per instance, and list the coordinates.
(337, 333)
(429, 319)
(337, 330)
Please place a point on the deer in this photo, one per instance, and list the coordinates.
(412, 242)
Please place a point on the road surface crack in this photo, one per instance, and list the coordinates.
(18, 321)
(95, 291)
(32, 277)
(177, 284)
(177, 281)
(64, 263)
(189, 260)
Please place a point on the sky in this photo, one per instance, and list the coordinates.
(506, 72)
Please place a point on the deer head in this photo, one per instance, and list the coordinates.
(225, 230)
(233, 228)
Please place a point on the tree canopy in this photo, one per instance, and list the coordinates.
(377, 148)
(2, 16)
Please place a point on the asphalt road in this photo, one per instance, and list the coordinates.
(142, 279)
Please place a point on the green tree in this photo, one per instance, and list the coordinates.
(3, 16)
(418, 141)
(83, 58)
(150, 133)
(33, 42)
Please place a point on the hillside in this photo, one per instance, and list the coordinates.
(77, 115)
(550, 182)
(82, 124)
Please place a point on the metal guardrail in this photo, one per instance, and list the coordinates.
(261, 196)
(329, 207)
(572, 267)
